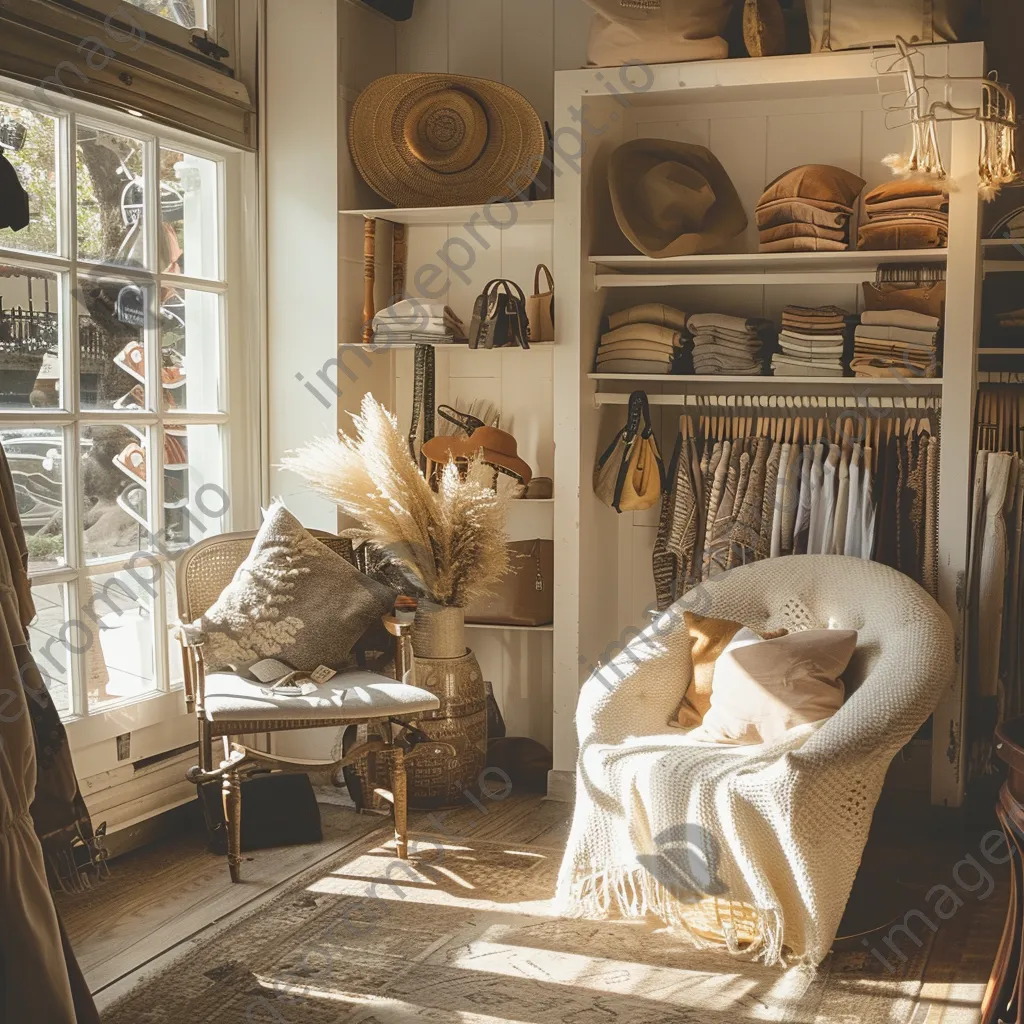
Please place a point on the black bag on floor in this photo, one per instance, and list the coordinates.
(278, 809)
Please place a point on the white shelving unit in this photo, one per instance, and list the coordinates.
(498, 214)
(469, 245)
(760, 117)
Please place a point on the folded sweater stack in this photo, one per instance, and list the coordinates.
(906, 215)
(811, 342)
(808, 209)
(649, 338)
(895, 342)
(423, 323)
(727, 344)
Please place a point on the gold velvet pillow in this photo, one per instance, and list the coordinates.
(708, 639)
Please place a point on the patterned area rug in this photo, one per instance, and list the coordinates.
(463, 933)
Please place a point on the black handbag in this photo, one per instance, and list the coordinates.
(499, 317)
(278, 809)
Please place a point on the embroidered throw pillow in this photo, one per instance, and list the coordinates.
(763, 688)
(292, 599)
(708, 640)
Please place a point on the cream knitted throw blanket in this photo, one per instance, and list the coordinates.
(753, 849)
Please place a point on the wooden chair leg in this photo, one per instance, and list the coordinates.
(399, 790)
(205, 746)
(232, 790)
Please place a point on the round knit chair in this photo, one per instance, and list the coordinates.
(750, 848)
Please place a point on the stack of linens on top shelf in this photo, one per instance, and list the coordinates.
(808, 209)
(811, 342)
(906, 215)
(729, 345)
(649, 338)
(422, 323)
(896, 342)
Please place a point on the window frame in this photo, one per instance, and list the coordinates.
(239, 418)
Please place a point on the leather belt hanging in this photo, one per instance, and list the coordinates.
(422, 400)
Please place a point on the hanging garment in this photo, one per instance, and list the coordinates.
(830, 489)
(867, 505)
(778, 513)
(930, 562)
(39, 977)
(801, 531)
(663, 563)
(842, 503)
(910, 539)
(816, 522)
(720, 524)
(724, 451)
(768, 502)
(887, 527)
(854, 511)
(790, 498)
(744, 539)
(14, 212)
(991, 588)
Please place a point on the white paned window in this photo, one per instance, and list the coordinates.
(128, 399)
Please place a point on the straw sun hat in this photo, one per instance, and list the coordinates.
(444, 140)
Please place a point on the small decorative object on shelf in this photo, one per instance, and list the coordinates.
(451, 546)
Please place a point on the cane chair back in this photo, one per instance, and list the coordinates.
(209, 566)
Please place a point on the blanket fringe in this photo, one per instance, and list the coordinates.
(708, 922)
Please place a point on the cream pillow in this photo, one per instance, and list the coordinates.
(763, 688)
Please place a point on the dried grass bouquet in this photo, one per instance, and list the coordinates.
(451, 543)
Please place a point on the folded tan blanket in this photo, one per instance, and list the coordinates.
(911, 217)
(643, 332)
(804, 244)
(900, 318)
(901, 235)
(803, 211)
(822, 182)
(649, 313)
(936, 202)
(795, 228)
(902, 188)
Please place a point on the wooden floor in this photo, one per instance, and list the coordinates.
(174, 896)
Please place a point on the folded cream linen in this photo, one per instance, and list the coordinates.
(804, 211)
(900, 318)
(763, 688)
(910, 335)
(635, 366)
(863, 366)
(804, 244)
(636, 350)
(804, 336)
(643, 332)
(738, 324)
(783, 367)
(649, 313)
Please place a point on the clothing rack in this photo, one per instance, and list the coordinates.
(781, 402)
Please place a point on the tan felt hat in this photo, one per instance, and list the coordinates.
(495, 447)
(444, 140)
(673, 198)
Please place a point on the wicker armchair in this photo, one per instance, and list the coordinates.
(229, 706)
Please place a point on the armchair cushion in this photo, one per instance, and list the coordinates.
(293, 599)
(354, 695)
